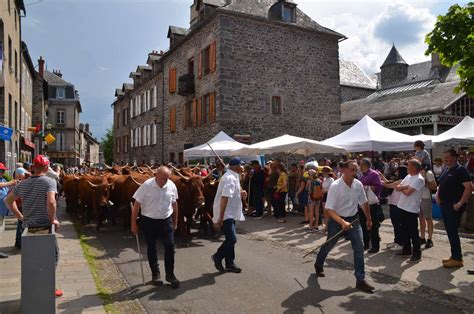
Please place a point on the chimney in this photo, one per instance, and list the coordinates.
(58, 73)
(87, 127)
(435, 63)
(41, 66)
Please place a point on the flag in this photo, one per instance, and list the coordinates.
(6, 133)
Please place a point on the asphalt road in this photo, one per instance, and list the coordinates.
(274, 280)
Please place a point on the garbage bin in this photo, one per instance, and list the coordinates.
(38, 245)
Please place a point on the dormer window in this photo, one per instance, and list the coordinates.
(288, 13)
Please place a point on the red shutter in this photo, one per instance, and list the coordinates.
(173, 119)
(172, 80)
(195, 113)
(212, 57)
(212, 107)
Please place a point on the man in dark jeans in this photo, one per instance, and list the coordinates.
(257, 181)
(454, 191)
(157, 198)
(227, 209)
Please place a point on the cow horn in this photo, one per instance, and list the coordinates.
(181, 175)
(149, 168)
(108, 167)
(92, 184)
(137, 183)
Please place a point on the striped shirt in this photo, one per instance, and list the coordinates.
(33, 193)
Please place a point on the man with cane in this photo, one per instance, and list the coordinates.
(344, 195)
(157, 198)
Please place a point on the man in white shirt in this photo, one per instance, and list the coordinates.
(344, 197)
(228, 209)
(157, 198)
(410, 201)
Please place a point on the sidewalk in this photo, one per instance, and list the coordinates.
(72, 275)
(429, 272)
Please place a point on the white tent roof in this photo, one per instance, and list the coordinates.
(289, 144)
(368, 135)
(462, 132)
(223, 144)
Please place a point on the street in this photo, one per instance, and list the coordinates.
(275, 279)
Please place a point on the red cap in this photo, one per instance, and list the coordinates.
(41, 161)
(2, 167)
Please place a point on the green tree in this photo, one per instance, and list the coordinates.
(453, 39)
(108, 146)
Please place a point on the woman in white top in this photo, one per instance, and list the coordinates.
(395, 214)
(438, 167)
(327, 181)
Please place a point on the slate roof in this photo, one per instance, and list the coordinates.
(260, 8)
(394, 57)
(177, 30)
(53, 79)
(424, 98)
(133, 74)
(127, 86)
(152, 57)
(144, 68)
(352, 75)
(119, 92)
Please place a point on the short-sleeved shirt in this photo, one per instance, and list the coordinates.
(344, 199)
(3, 194)
(429, 177)
(411, 203)
(327, 183)
(451, 186)
(229, 186)
(424, 156)
(34, 197)
(372, 178)
(156, 202)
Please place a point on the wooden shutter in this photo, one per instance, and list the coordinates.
(200, 65)
(185, 116)
(195, 113)
(173, 119)
(199, 111)
(212, 107)
(172, 80)
(212, 57)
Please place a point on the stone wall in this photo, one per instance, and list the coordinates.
(120, 131)
(349, 93)
(260, 59)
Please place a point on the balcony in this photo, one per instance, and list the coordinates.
(186, 85)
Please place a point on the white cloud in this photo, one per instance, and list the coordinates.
(372, 27)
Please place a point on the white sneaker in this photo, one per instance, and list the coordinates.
(391, 245)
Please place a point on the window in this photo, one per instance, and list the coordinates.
(9, 7)
(125, 117)
(276, 105)
(117, 123)
(191, 66)
(125, 143)
(153, 135)
(60, 115)
(188, 115)
(144, 135)
(206, 61)
(288, 13)
(117, 145)
(205, 109)
(180, 158)
(16, 64)
(132, 138)
(16, 115)
(60, 141)
(171, 157)
(10, 54)
(60, 92)
(131, 108)
(154, 97)
(143, 102)
(10, 110)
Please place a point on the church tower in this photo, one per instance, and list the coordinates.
(394, 69)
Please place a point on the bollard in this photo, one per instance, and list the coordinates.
(38, 245)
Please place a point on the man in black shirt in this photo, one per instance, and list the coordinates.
(257, 179)
(453, 193)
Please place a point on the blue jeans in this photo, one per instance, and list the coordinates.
(452, 220)
(227, 249)
(355, 235)
(154, 229)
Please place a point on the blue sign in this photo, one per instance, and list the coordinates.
(5, 133)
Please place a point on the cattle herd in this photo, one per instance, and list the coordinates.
(107, 195)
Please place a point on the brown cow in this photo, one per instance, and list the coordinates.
(94, 194)
(206, 212)
(70, 185)
(190, 193)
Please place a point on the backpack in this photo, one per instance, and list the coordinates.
(316, 193)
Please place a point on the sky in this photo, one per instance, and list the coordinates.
(97, 43)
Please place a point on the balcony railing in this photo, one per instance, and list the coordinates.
(186, 85)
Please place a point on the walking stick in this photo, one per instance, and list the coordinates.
(218, 157)
(139, 254)
(312, 251)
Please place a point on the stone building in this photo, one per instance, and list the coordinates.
(27, 146)
(252, 68)
(413, 99)
(121, 124)
(64, 108)
(10, 78)
(355, 83)
(40, 105)
(89, 146)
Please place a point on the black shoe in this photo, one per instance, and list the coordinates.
(415, 258)
(233, 269)
(429, 244)
(364, 286)
(255, 216)
(422, 241)
(156, 279)
(319, 271)
(173, 281)
(304, 222)
(373, 250)
(404, 253)
(217, 263)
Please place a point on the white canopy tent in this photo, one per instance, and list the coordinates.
(368, 135)
(461, 133)
(223, 145)
(291, 145)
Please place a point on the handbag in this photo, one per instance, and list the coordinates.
(371, 197)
